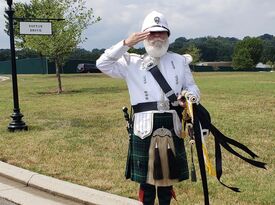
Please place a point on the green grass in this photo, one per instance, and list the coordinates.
(80, 135)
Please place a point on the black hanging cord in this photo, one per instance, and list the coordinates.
(198, 142)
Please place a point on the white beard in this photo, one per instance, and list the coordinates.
(156, 48)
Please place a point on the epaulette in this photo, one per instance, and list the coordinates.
(188, 58)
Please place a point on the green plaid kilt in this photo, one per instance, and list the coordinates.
(138, 152)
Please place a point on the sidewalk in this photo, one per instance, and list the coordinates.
(3, 78)
(29, 188)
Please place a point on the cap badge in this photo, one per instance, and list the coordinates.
(157, 19)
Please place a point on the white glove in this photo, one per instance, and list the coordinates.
(190, 96)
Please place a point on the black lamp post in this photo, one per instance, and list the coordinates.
(16, 123)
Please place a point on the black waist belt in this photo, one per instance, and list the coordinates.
(149, 106)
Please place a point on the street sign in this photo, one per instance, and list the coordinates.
(37, 28)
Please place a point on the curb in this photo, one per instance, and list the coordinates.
(67, 190)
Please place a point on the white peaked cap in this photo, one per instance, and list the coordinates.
(155, 21)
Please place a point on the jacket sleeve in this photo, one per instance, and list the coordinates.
(113, 61)
(189, 83)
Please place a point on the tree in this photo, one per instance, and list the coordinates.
(179, 45)
(27, 53)
(268, 53)
(66, 34)
(80, 54)
(5, 54)
(242, 59)
(211, 48)
(194, 52)
(254, 46)
(272, 64)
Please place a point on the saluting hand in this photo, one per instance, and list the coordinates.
(135, 38)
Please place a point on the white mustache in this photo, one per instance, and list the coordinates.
(156, 43)
(157, 40)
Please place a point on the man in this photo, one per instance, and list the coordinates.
(157, 157)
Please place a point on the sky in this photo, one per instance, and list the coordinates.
(186, 18)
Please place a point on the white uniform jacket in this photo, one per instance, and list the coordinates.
(118, 63)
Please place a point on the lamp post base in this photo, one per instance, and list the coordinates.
(17, 123)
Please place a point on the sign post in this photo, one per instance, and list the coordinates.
(17, 122)
(31, 28)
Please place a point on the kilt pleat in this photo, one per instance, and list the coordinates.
(138, 152)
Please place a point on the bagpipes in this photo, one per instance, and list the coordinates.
(197, 124)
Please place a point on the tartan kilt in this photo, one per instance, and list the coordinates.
(138, 151)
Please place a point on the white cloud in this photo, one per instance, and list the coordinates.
(188, 18)
(3, 36)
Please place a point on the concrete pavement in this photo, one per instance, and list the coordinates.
(6, 202)
(18, 193)
(3, 78)
(24, 187)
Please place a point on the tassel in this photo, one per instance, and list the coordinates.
(172, 162)
(193, 170)
(157, 165)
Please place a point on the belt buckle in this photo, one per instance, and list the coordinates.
(163, 105)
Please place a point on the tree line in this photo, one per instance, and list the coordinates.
(245, 53)
(67, 35)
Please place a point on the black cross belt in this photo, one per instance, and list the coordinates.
(169, 93)
(149, 106)
(143, 107)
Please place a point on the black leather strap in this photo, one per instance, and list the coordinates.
(148, 106)
(201, 114)
(163, 84)
(198, 143)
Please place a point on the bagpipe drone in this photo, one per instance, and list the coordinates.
(197, 124)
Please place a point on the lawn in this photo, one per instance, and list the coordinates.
(80, 136)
